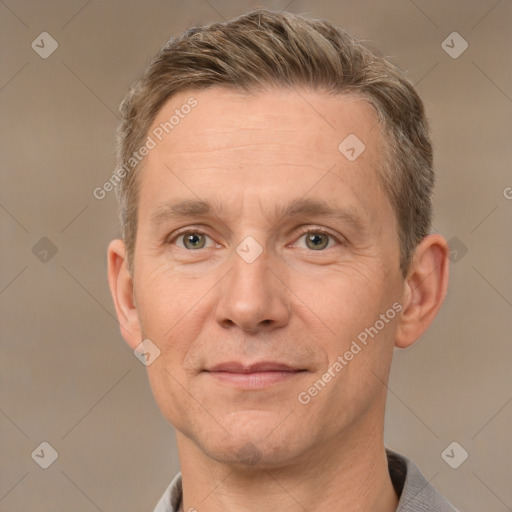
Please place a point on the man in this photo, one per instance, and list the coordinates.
(275, 180)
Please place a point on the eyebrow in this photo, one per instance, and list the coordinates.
(303, 207)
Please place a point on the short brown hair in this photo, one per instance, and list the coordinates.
(265, 48)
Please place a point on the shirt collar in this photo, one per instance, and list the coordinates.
(415, 492)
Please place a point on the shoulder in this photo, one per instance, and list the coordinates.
(171, 499)
(416, 493)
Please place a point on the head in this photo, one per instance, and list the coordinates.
(278, 220)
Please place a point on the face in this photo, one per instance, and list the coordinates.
(264, 254)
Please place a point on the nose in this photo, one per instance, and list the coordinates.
(252, 297)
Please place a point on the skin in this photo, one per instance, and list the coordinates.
(259, 448)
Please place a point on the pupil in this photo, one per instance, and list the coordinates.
(194, 240)
(317, 240)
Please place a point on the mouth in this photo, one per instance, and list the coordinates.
(253, 376)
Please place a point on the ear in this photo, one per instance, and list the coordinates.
(121, 288)
(425, 289)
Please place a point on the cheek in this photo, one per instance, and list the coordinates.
(342, 302)
(358, 345)
(172, 311)
(159, 292)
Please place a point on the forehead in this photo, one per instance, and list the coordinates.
(263, 145)
(319, 121)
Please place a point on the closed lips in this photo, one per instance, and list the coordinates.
(234, 367)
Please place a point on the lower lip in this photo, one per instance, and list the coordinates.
(256, 380)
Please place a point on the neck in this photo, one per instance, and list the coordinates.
(345, 474)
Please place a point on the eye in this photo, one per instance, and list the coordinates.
(316, 240)
(193, 240)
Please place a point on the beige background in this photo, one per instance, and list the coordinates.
(66, 375)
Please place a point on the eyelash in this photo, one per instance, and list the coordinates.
(191, 230)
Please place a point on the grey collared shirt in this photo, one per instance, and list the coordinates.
(416, 494)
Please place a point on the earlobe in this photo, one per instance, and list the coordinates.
(121, 287)
(425, 289)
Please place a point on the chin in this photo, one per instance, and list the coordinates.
(251, 454)
(256, 439)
